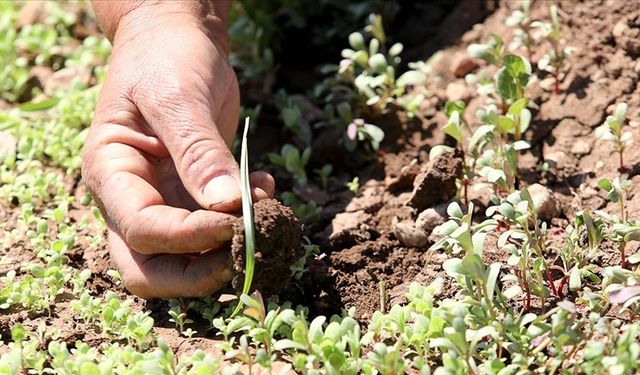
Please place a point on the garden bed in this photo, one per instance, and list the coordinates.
(368, 240)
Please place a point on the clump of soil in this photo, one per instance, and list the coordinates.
(278, 234)
(436, 182)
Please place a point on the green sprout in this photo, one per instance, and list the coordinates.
(553, 61)
(522, 35)
(616, 193)
(247, 218)
(613, 131)
(293, 161)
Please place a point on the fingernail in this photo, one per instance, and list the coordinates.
(226, 274)
(221, 190)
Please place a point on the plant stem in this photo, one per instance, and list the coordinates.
(623, 259)
(622, 168)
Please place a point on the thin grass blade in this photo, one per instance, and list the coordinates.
(247, 217)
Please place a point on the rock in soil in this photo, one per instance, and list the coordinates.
(277, 243)
(409, 235)
(546, 204)
(432, 217)
(436, 182)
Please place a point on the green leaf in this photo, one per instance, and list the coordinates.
(517, 107)
(621, 111)
(438, 150)
(378, 63)
(453, 267)
(356, 41)
(285, 344)
(411, 78)
(395, 49)
(450, 107)
(492, 278)
(605, 184)
(473, 267)
(575, 281)
(452, 128)
(39, 106)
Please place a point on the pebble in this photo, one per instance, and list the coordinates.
(432, 217)
(619, 29)
(546, 204)
(409, 235)
(581, 147)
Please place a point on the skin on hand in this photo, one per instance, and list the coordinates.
(157, 155)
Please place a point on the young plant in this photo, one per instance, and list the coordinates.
(613, 130)
(359, 131)
(554, 60)
(247, 218)
(293, 161)
(616, 193)
(526, 239)
(372, 67)
(522, 35)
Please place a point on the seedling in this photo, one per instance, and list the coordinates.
(247, 218)
(526, 239)
(359, 131)
(324, 174)
(554, 60)
(613, 130)
(616, 193)
(372, 67)
(354, 185)
(522, 36)
(293, 161)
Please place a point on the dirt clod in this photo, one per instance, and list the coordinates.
(278, 234)
(436, 182)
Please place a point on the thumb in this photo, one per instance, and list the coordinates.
(198, 144)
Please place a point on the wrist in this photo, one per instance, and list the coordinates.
(124, 20)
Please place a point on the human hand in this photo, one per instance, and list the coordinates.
(157, 157)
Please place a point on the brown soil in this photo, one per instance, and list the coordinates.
(604, 71)
(360, 247)
(277, 242)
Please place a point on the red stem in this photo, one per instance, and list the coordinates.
(550, 280)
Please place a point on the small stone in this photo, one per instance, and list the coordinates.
(8, 145)
(581, 147)
(636, 67)
(634, 124)
(409, 235)
(545, 202)
(432, 217)
(463, 65)
(458, 90)
(619, 29)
